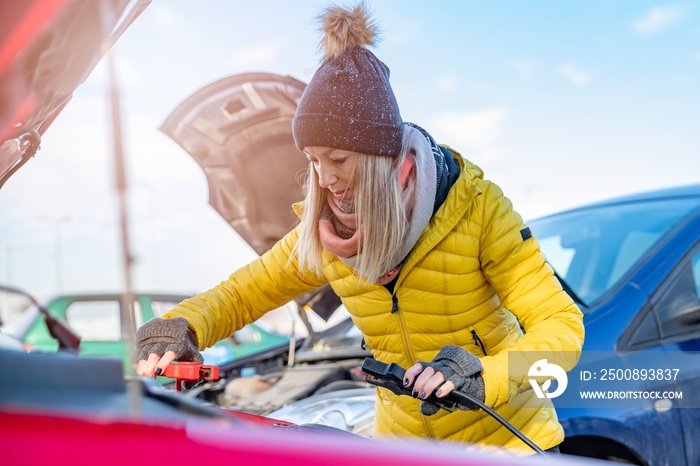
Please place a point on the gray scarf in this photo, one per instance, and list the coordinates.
(423, 192)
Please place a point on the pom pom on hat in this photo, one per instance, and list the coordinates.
(343, 29)
(349, 103)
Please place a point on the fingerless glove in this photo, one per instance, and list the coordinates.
(461, 368)
(162, 335)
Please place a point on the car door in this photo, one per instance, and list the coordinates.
(677, 308)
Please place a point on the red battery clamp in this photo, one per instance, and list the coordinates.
(190, 372)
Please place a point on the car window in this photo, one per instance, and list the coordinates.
(160, 307)
(593, 248)
(678, 307)
(95, 320)
(558, 256)
(634, 244)
(645, 331)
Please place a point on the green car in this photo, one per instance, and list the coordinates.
(97, 319)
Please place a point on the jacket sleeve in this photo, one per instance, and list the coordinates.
(261, 286)
(516, 268)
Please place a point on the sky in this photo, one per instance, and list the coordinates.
(560, 103)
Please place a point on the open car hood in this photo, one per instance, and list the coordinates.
(239, 130)
(47, 49)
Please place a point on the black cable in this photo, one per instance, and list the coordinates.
(391, 376)
(463, 398)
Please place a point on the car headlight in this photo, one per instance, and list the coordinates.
(350, 410)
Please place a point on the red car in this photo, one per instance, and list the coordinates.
(59, 408)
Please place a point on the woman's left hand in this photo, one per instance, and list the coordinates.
(452, 368)
(426, 381)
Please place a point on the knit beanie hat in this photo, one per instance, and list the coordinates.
(349, 103)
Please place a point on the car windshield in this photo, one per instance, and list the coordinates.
(593, 248)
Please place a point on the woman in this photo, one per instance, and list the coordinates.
(436, 269)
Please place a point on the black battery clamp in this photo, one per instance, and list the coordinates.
(391, 377)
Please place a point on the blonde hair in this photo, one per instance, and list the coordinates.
(381, 213)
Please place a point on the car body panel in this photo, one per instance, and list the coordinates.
(84, 440)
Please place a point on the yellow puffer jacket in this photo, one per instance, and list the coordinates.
(473, 279)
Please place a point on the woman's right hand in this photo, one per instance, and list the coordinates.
(161, 341)
(155, 365)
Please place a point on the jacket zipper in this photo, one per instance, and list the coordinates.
(479, 343)
(409, 352)
(394, 304)
(402, 326)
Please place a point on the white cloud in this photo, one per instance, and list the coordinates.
(447, 83)
(478, 131)
(573, 74)
(524, 66)
(256, 55)
(658, 19)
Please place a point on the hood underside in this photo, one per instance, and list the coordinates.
(239, 130)
(47, 49)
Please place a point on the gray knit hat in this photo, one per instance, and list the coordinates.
(349, 103)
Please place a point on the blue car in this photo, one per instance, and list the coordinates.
(633, 264)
